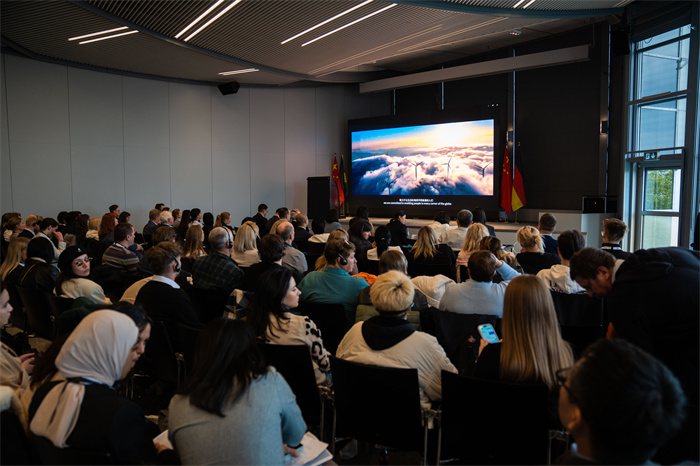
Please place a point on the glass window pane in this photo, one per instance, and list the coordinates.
(663, 37)
(659, 232)
(660, 125)
(664, 69)
(662, 189)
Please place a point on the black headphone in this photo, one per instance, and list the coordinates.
(229, 242)
(343, 261)
(177, 264)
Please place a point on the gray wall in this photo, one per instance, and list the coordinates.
(73, 139)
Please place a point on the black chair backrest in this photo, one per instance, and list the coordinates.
(294, 363)
(185, 338)
(311, 260)
(416, 269)
(159, 359)
(459, 336)
(40, 319)
(45, 452)
(59, 305)
(683, 447)
(493, 422)
(209, 304)
(581, 319)
(316, 248)
(330, 320)
(378, 404)
(18, 318)
(186, 263)
(15, 444)
(113, 281)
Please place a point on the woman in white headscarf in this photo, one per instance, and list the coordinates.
(84, 411)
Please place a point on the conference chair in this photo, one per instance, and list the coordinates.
(40, 320)
(417, 268)
(209, 304)
(489, 422)
(581, 319)
(330, 320)
(59, 305)
(379, 405)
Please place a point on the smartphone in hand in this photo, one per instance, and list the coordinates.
(488, 333)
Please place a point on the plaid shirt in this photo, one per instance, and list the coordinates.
(217, 272)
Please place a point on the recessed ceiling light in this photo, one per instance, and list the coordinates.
(247, 70)
(349, 24)
(199, 18)
(516, 32)
(327, 21)
(99, 33)
(529, 3)
(212, 20)
(108, 37)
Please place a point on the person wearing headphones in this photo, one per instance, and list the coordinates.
(334, 284)
(162, 298)
(217, 271)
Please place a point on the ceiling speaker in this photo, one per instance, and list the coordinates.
(229, 88)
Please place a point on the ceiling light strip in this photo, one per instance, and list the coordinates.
(247, 70)
(529, 3)
(327, 21)
(199, 18)
(452, 34)
(108, 37)
(212, 20)
(518, 4)
(349, 24)
(99, 33)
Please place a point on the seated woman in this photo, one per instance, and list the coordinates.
(72, 282)
(273, 321)
(14, 370)
(332, 222)
(224, 220)
(532, 258)
(475, 233)
(389, 340)
(441, 223)
(124, 217)
(427, 251)
(382, 240)
(84, 411)
(532, 350)
(320, 263)
(398, 228)
(38, 273)
(360, 232)
(232, 409)
(391, 260)
(480, 217)
(13, 262)
(93, 229)
(362, 214)
(493, 244)
(245, 246)
(194, 243)
(106, 231)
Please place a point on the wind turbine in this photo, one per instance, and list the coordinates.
(416, 166)
(448, 168)
(483, 168)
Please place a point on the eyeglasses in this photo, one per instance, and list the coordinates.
(562, 376)
(80, 263)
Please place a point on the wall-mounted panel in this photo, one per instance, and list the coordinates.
(267, 160)
(98, 178)
(300, 143)
(190, 146)
(95, 105)
(37, 101)
(231, 153)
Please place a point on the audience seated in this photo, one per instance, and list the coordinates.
(532, 258)
(37, 273)
(13, 369)
(454, 238)
(479, 295)
(232, 409)
(271, 314)
(217, 271)
(107, 225)
(480, 217)
(48, 229)
(472, 243)
(271, 250)
(281, 214)
(73, 281)
(532, 350)
(362, 213)
(301, 232)
(441, 223)
(334, 284)
(613, 231)
(332, 222)
(427, 251)
(389, 340)
(84, 411)
(293, 258)
(557, 277)
(652, 298)
(360, 232)
(259, 218)
(194, 243)
(382, 240)
(620, 404)
(153, 223)
(318, 227)
(546, 225)
(399, 230)
(14, 259)
(245, 246)
(493, 244)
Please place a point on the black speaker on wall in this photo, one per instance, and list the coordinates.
(229, 88)
(318, 196)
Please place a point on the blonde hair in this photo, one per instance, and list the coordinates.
(245, 238)
(475, 233)
(220, 219)
(532, 350)
(13, 256)
(392, 292)
(529, 237)
(94, 224)
(321, 263)
(193, 242)
(426, 245)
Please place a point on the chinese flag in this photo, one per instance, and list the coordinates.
(506, 184)
(336, 178)
(518, 196)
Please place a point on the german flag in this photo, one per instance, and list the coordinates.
(518, 196)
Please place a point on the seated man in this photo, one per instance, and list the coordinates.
(454, 238)
(318, 226)
(48, 228)
(271, 250)
(293, 258)
(217, 271)
(614, 230)
(334, 284)
(620, 405)
(389, 340)
(118, 255)
(153, 219)
(478, 294)
(546, 225)
(557, 277)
